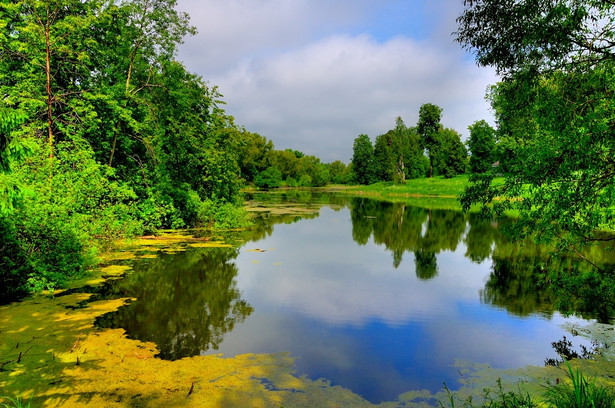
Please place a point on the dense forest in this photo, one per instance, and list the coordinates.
(103, 133)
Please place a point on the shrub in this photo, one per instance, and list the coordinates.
(271, 177)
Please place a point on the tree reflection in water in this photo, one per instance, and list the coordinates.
(186, 301)
(525, 278)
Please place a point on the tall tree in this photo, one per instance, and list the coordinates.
(401, 149)
(384, 157)
(450, 156)
(554, 109)
(44, 60)
(363, 160)
(482, 146)
(428, 127)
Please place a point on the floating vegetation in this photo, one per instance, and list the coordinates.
(210, 245)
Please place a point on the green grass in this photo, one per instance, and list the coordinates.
(424, 187)
(437, 192)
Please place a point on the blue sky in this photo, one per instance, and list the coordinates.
(312, 75)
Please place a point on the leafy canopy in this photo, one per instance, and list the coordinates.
(554, 110)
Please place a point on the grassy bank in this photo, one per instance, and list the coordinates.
(424, 187)
(436, 192)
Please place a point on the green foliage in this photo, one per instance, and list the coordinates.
(427, 127)
(554, 113)
(363, 167)
(398, 154)
(384, 159)
(13, 263)
(579, 392)
(482, 146)
(270, 178)
(339, 173)
(503, 399)
(104, 134)
(14, 403)
(449, 155)
(253, 155)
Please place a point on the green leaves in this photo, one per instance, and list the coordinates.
(554, 112)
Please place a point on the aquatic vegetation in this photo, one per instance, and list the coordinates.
(18, 402)
(580, 392)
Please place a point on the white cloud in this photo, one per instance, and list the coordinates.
(293, 72)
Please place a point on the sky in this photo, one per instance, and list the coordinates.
(312, 75)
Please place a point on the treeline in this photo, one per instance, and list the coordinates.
(265, 167)
(426, 149)
(103, 134)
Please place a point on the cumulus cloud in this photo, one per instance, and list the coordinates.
(305, 75)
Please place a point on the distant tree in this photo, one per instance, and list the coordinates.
(482, 146)
(298, 154)
(400, 149)
(271, 177)
(253, 154)
(384, 159)
(339, 172)
(416, 164)
(398, 154)
(363, 160)
(314, 170)
(428, 127)
(285, 161)
(450, 156)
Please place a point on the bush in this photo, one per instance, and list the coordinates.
(14, 268)
(271, 177)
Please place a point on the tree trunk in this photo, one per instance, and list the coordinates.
(49, 95)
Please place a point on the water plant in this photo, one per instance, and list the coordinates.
(7, 402)
(502, 399)
(580, 392)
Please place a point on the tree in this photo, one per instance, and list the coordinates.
(363, 160)
(384, 158)
(339, 172)
(416, 164)
(117, 137)
(253, 154)
(269, 178)
(401, 149)
(450, 156)
(482, 146)
(554, 110)
(428, 127)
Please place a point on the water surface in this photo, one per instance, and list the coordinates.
(380, 298)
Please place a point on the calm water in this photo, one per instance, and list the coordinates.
(379, 298)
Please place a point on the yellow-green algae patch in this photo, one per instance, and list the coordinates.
(55, 355)
(210, 245)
